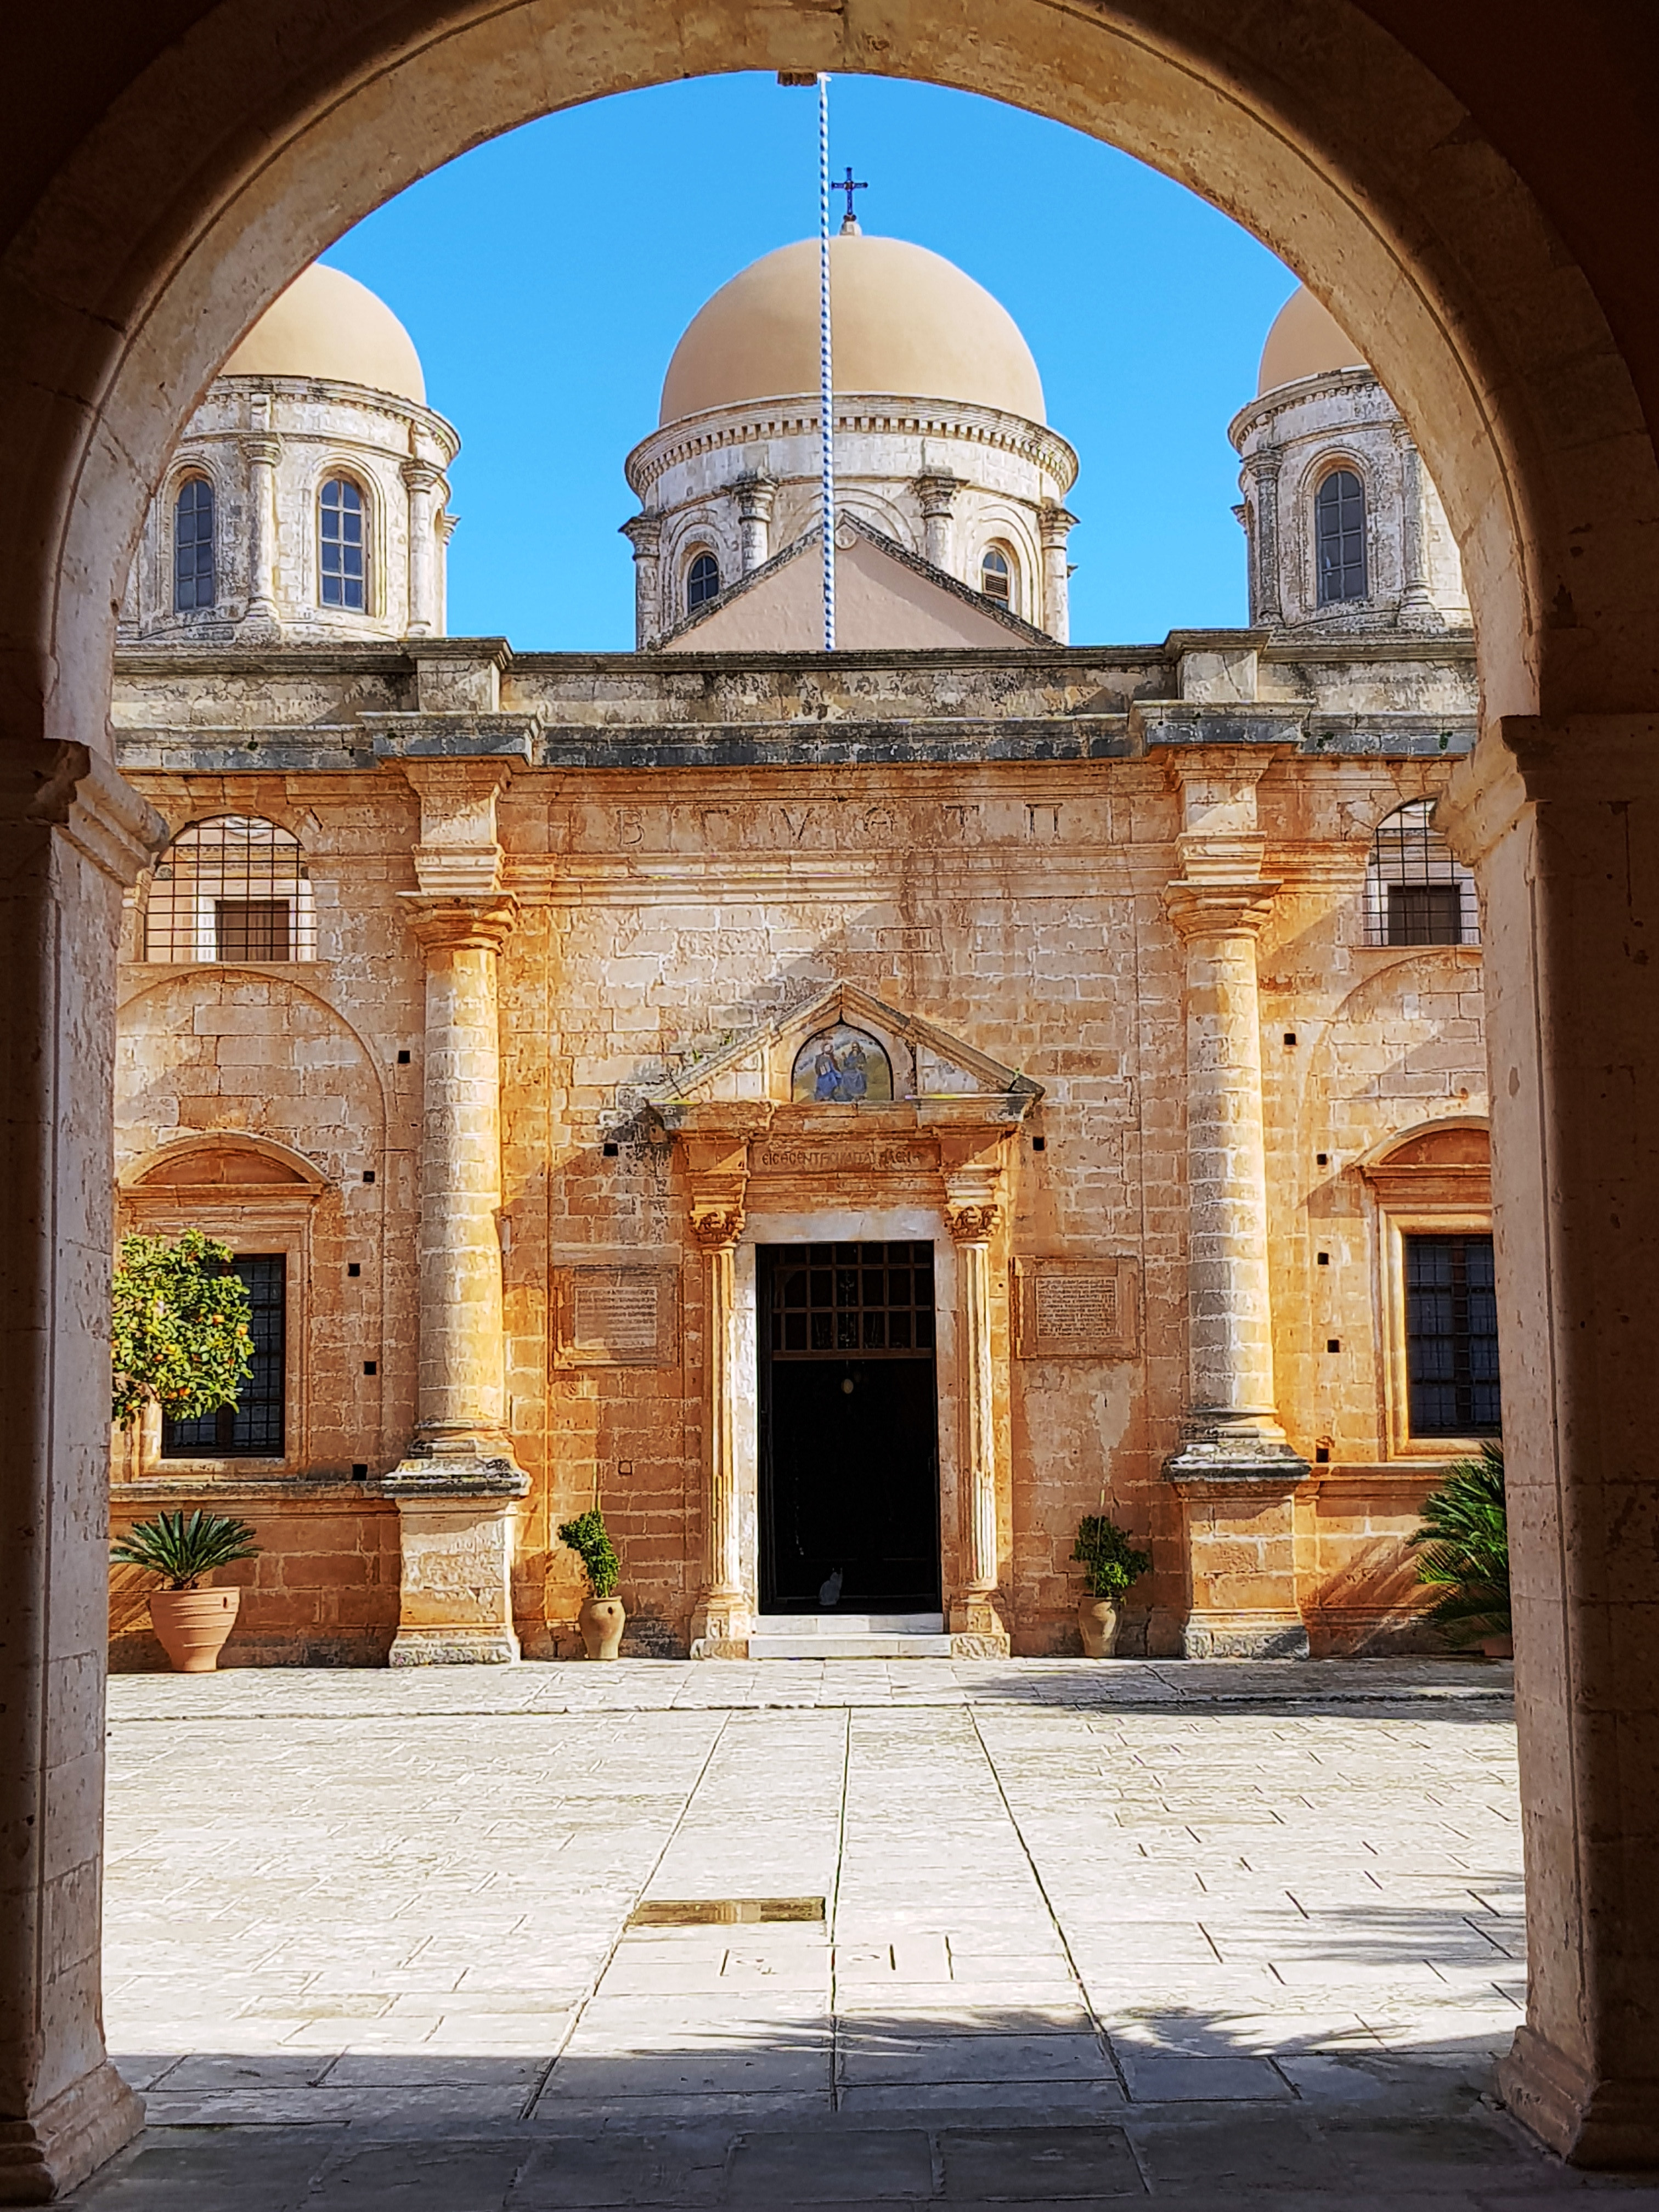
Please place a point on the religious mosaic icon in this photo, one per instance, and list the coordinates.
(842, 1066)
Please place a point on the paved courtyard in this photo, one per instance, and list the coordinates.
(1037, 1933)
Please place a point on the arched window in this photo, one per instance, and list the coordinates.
(230, 889)
(193, 580)
(996, 576)
(1415, 892)
(343, 563)
(703, 582)
(1340, 538)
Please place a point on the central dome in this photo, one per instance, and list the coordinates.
(907, 322)
(327, 324)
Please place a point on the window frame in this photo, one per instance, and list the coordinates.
(262, 1220)
(1377, 916)
(195, 474)
(699, 554)
(167, 1459)
(1432, 1198)
(1331, 466)
(340, 472)
(1003, 551)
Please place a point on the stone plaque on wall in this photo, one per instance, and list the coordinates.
(1077, 1308)
(620, 1316)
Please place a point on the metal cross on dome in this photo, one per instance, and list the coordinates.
(850, 184)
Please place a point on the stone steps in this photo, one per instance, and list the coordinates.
(840, 1635)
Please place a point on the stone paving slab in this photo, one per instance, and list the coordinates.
(1088, 1933)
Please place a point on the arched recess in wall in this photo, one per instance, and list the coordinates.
(1420, 237)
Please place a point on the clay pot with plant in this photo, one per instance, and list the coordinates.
(602, 1616)
(191, 1623)
(1110, 1565)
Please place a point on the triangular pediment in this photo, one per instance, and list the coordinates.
(928, 1065)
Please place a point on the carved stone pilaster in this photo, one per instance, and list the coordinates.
(426, 487)
(1417, 608)
(1266, 591)
(937, 494)
(262, 454)
(644, 533)
(755, 495)
(1054, 527)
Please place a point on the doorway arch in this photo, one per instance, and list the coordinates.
(208, 172)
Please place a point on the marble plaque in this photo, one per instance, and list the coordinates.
(621, 1317)
(1077, 1308)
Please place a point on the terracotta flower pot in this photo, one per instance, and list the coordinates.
(602, 1622)
(192, 1624)
(1097, 1621)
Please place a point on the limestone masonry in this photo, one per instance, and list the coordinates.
(849, 1116)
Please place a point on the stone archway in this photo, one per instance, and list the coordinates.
(203, 168)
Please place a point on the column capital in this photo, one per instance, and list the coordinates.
(936, 492)
(267, 449)
(972, 1221)
(456, 922)
(1054, 523)
(755, 495)
(423, 476)
(644, 533)
(1584, 761)
(1218, 908)
(717, 1228)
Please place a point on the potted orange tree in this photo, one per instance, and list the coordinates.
(179, 1340)
(602, 1616)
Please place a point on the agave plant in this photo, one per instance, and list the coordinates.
(586, 1537)
(182, 1547)
(1463, 1548)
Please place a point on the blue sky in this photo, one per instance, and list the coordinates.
(546, 277)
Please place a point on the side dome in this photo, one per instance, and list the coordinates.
(1305, 340)
(907, 322)
(328, 325)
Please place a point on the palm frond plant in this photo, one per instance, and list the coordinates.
(182, 1547)
(178, 1328)
(1463, 1548)
(1110, 1561)
(586, 1538)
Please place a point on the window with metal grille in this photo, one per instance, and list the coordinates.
(702, 582)
(253, 1428)
(867, 1299)
(1340, 538)
(232, 889)
(193, 580)
(1415, 892)
(996, 576)
(1451, 1337)
(343, 565)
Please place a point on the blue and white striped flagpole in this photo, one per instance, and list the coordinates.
(826, 376)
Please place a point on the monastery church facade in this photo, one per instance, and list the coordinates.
(848, 1115)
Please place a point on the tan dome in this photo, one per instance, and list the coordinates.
(327, 324)
(906, 321)
(1305, 340)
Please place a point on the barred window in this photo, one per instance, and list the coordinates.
(194, 585)
(233, 889)
(1340, 538)
(1451, 1337)
(1415, 892)
(996, 576)
(344, 565)
(253, 1428)
(703, 582)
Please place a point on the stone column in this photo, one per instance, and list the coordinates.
(1267, 594)
(1417, 608)
(1234, 1469)
(427, 491)
(644, 533)
(972, 1164)
(755, 495)
(262, 453)
(938, 495)
(1055, 526)
(1560, 821)
(724, 1608)
(72, 835)
(456, 1489)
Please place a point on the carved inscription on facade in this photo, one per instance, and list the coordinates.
(878, 1158)
(621, 1316)
(1077, 1308)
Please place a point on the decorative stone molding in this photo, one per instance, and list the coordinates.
(972, 1224)
(716, 1229)
(455, 922)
